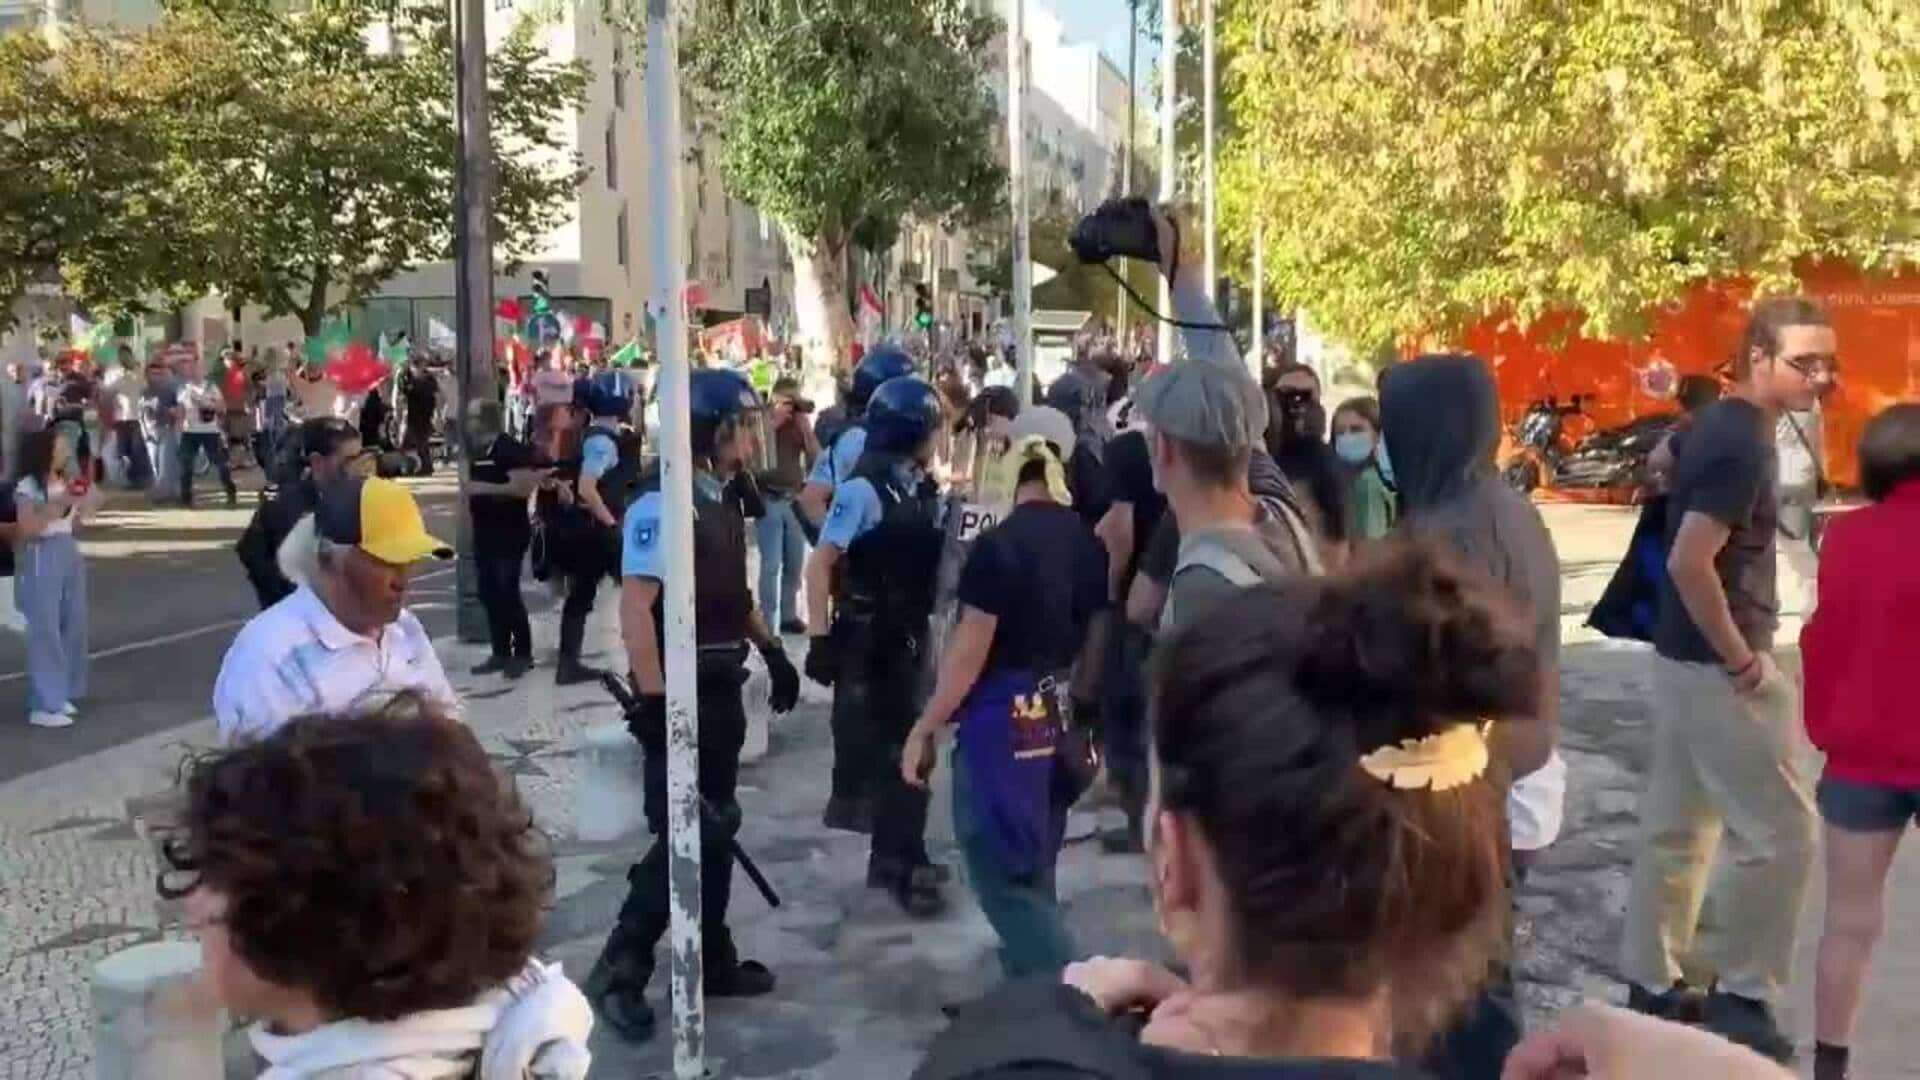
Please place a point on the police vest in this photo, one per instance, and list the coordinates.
(722, 600)
(892, 569)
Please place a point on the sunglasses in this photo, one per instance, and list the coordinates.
(1814, 365)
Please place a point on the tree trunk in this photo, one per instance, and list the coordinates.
(820, 300)
(316, 309)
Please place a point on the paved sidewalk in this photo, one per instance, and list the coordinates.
(860, 986)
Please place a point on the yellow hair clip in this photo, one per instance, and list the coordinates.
(1441, 762)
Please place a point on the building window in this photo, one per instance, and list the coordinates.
(620, 237)
(619, 72)
(613, 155)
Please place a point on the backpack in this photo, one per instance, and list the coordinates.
(1223, 560)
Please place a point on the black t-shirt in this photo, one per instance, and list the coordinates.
(1087, 482)
(422, 391)
(1724, 467)
(1315, 472)
(1130, 480)
(1042, 573)
(506, 512)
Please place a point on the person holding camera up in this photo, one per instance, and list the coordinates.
(589, 533)
(783, 546)
(885, 522)
(726, 442)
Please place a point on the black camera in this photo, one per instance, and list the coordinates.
(1121, 227)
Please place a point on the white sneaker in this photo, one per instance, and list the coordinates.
(70, 709)
(49, 719)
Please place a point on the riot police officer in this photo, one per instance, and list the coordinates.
(840, 451)
(885, 523)
(590, 521)
(847, 808)
(726, 441)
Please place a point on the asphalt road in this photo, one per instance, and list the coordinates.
(166, 596)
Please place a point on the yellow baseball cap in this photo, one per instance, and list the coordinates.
(380, 518)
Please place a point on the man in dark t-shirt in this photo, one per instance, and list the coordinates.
(504, 476)
(1727, 741)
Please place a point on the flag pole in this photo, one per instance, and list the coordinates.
(676, 488)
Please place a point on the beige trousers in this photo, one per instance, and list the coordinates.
(1722, 762)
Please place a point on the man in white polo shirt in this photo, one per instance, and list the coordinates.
(344, 639)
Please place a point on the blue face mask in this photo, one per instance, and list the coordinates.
(1354, 447)
(1385, 464)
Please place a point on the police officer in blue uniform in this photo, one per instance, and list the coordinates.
(589, 526)
(842, 451)
(883, 532)
(727, 443)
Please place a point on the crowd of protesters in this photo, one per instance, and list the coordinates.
(1316, 660)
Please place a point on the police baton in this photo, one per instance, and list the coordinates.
(709, 817)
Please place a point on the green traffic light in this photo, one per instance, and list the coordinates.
(923, 320)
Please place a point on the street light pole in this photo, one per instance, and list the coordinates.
(1169, 164)
(666, 207)
(1207, 110)
(473, 288)
(1017, 198)
(1126, 152)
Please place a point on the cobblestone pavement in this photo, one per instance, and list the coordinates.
(860, 986)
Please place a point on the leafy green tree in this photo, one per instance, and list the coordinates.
(839, 117)
(324, 163)
(1419, 166)
(291, 159)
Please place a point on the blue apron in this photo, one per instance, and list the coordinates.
(1010, 728)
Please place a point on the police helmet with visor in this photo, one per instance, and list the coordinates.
(902, 414)
(721, 402)
(885, 362)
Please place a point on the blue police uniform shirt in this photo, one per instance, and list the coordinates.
(642, 553)
(597, 456)
(833, 467)
(856, 509)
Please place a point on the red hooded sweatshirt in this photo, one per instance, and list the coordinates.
(1861, 646)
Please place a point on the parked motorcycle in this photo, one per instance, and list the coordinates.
(1610, 458)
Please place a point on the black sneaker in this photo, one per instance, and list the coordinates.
(748, 978)
(919, 893)
(1681, 1004)
(848, 815)
(490, 665)
(1748, 1022)
(233, 498)
(573, 673)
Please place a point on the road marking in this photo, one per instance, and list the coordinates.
(188, 635)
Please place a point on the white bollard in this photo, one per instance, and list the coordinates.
(154, 1018)
(609, 802)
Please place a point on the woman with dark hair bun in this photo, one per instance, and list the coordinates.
(369, 889)
(1325, 834)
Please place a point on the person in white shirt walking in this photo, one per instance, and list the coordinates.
(344, 639)
(203, 430)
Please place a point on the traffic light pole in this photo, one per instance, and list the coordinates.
(473, 291)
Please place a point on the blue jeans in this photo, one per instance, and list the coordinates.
(783, 558)
(1025, 912)
(50, 588)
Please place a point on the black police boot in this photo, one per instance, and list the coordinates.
(1128, 839)
(517, 666)
(1681, 1003)
(726, 975)
(571, 672)
(916, 890)
(617, 990)
(491, 664)
(849, 815)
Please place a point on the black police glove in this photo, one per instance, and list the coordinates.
(785, 691)
(823, 659)
(647, 719)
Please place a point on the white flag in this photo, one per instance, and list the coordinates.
(440, 335)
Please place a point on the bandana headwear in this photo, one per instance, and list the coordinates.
(1452, 758)
(1036, 448)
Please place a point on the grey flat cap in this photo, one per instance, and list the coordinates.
(1206, 402)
